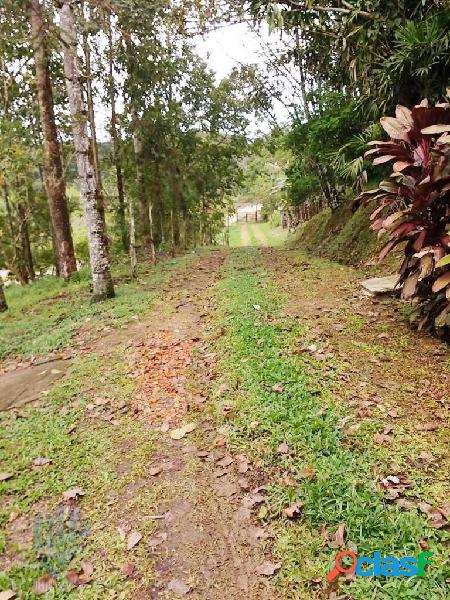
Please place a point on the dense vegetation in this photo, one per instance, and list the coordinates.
(176, 135)
(176, 159)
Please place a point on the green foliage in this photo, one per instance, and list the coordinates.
(264, 176)
(378, 52)
(315, 144)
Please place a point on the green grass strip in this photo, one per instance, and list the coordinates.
(255, 356)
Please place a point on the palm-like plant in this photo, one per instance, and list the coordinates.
(414, 206)
(347, 160)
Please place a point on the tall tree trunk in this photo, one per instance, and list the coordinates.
(3, 304)
(178, 200)
(17, 264)
(133, 257)
(98, 251)
(157, 211)
(152, 242)
(54, 177)
(25, 241)
(116, 145)
(140, 185)
(93, 128)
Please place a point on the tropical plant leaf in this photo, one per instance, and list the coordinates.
(394, 128)
(433, 129)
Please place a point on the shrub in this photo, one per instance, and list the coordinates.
(414, 206)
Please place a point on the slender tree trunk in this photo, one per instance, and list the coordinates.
(133, 258)
(25, 241)
(157, 205)
(93, 138)
(152, 241)
(98, 251)
(17, 263)
(54, 178)
(3, 304)
(116, 146)
(140, 185)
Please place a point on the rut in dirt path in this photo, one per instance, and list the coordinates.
(206, 543)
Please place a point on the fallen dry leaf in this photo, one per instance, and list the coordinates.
(73, 493)
(424, 545)
(7, 595)
(122, 531)
(179, 587)
(283, 448)
(127, 569)
(278, 388)
(436, 516)
(307, 472)
(157, 540)
(424, 457)
(244, 483)
(338, 540)
(220, 442)
(154, 471)
(311, 348)
(404, 503)
(226, 461)
(44, 584)
(41, 462)
(380, 439)
(82, 577)
(243, 463)
(227, 489)
(427, 426)
(133, 539)
(352, 429)
(293, 511)
(268, 568)
(394, 485)
(252, 500)
(178, 434)
(6, 476)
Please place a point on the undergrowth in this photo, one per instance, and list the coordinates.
(44, 316)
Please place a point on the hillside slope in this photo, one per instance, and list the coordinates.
(340, 235)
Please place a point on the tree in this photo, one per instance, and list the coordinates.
(54, 178)
(3, 304)
(115, 139)
(98, 252)
(379, 51)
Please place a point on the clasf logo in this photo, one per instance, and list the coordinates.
(377, 566)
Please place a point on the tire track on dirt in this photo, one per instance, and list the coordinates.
(206, 542)
(245, 235)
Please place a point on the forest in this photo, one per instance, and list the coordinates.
(224, 299)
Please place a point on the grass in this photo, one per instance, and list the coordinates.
(57, 310)
(257, 353)
(273, 236)
(88, 458)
